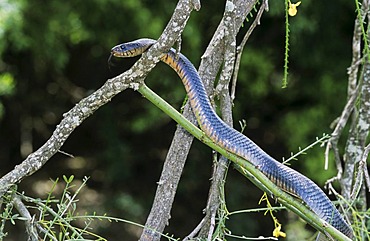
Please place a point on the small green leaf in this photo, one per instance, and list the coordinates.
(65, 178)
(71, 178)
(68, 180)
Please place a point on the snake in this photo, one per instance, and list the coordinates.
(234, 141)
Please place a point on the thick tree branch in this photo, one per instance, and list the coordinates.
(181, 143)
(359, 129)
(175, 160)
(87, 106)
(353, 171)
(355, 146)
(353, 93)
(222, 92)
(71, 120)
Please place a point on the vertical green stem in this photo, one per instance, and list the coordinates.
(286, 54)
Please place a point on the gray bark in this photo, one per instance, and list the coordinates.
(212, 60)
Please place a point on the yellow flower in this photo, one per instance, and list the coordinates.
(277, 232)
(293, 8)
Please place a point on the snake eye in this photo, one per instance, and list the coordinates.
(122, 48)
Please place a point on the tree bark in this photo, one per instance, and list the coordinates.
(212, 60)
(352, 174)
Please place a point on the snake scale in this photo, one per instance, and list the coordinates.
(286, 178)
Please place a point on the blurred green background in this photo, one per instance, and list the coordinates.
(54, 53)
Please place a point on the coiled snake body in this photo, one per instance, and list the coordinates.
(286, 178)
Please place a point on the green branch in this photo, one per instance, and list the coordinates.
(286, 53)
(245, 168)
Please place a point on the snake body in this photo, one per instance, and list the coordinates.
(286, 178)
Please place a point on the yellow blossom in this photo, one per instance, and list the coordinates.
(293, 8)
(277, 232)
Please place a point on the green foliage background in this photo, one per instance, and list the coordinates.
(53, 53)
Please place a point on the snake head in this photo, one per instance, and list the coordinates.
(132, 49)
(125, 50)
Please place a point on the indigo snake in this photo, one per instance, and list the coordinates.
(283, 176)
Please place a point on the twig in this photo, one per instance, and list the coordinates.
(336, 134)
(212, 226)
(366, 172)
(302, 151)
(196, 4)
(66, 153)
(346, 207)
(239, 49)
(29, 220)
(196, 229)
(247, 238)
(51, 237)
(362, 171)
(30, 223)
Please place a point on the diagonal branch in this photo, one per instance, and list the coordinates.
(87, 106)
(239, 50)
(30, 224)
(211, 62)
(247, 169)
(70, 121)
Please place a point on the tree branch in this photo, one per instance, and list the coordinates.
(239, 50)
(181, 143)
(212, 59)
(222, 92)
(29, 222)
(247, 169)
(71, 120)
(176, 157)
(352, 92)
(359, 129)
(355, 146)
(87, 106)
